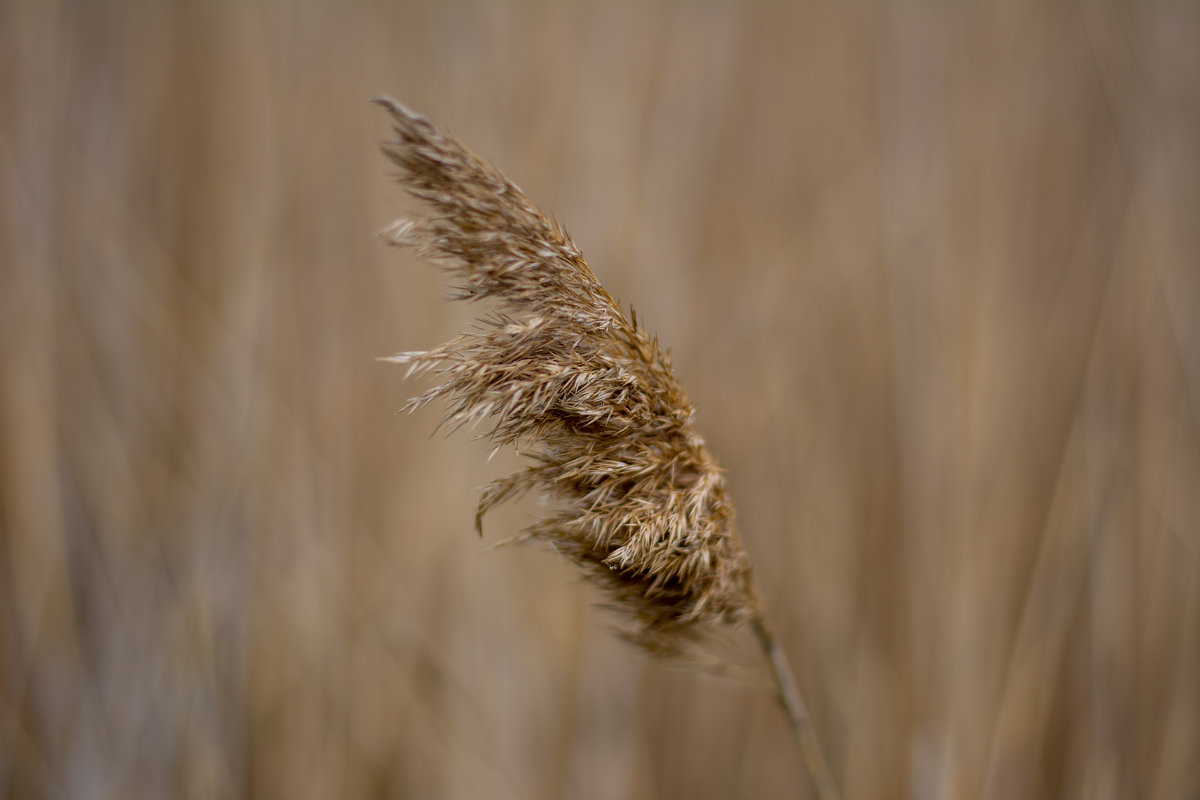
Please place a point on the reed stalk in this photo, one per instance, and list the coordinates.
(579, 388)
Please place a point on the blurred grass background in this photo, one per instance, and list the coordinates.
(930, 273)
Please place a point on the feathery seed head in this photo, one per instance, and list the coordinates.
(588, 397)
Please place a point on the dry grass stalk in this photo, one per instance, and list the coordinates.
(589, 398)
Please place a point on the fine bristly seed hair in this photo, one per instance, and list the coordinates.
(579, 389)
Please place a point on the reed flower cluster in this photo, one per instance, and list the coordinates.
(577, 387)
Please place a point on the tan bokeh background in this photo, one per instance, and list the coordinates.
(931, 275)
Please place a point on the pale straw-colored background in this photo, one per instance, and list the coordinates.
(931, 275)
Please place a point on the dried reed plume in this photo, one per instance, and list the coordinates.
(589, 398)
